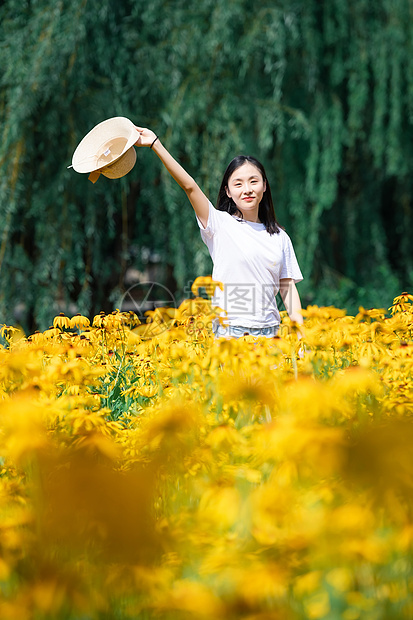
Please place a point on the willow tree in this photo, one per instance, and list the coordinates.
(321, 92)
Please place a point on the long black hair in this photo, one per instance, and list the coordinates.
(266, 211)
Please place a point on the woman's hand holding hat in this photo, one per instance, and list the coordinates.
(146, 138)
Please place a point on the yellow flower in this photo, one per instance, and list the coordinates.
(114, 320)
(61, 321)
(307, 583)
(7, 330)
(193, 307)
(191, 598)
(317, 606)
(340, 578)
(99, 320)
(224, 438)
(207, 283)
(241, 384)
(79, 321)
(37, 338)
(51, 332)
(148, 390)
(130, 319)
(23, 426)
(402, 303)
(220, 507)
(370, 351)
(368, 315)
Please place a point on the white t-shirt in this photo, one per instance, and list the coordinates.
(250, 263)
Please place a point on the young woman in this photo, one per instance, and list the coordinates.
(253, 257)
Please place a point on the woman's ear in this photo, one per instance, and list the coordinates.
(228, 194)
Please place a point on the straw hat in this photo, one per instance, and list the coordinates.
(107, 149)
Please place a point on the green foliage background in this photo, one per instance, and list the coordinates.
(320, 91)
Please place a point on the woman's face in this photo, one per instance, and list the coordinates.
(246, 188)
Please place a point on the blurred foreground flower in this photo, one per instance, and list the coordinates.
(90, 509)
(381, 459)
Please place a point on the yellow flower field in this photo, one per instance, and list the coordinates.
(150, 472)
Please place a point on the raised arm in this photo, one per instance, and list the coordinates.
(196, 196)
